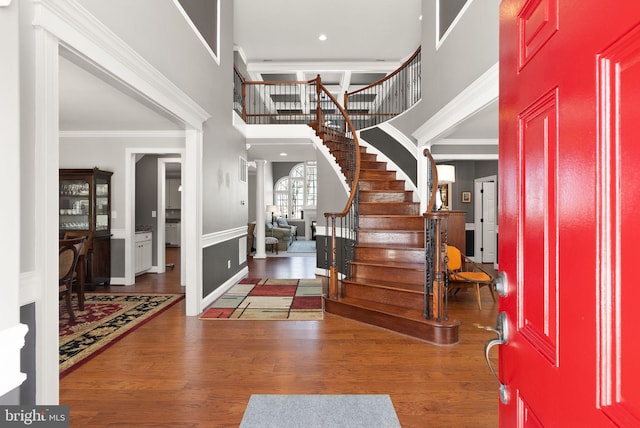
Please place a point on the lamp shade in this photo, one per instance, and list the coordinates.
(446, 174)
(273, 209)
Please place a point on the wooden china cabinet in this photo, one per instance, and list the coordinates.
(85, 206)
(456, 233)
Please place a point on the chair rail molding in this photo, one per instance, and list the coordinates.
(225, 235)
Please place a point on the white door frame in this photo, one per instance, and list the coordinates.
(67, 23)
(130, 204)
(477, 214)
(162, 204)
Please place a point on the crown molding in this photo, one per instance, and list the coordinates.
(122, 134)
(479, 94)
(353, 66)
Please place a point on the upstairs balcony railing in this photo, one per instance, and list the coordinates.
(388, 97)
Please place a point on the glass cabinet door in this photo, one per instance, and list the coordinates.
(102, 204)
(74, 205)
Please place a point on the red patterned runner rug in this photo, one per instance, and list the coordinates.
(106, 319)
(269, 299)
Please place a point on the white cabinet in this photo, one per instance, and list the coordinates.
(172, 233)
(172, 194)
(144, 241)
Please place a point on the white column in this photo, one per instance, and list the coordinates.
(260, 210)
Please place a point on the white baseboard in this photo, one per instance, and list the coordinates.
(223, 288)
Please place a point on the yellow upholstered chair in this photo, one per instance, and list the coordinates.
(464, 273)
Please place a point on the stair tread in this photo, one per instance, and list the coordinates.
(379, 283)
(386, 191)
(399, 311)
(388, 246)
(391, 215)
(387, 230)
(390, 263)
(389, 202)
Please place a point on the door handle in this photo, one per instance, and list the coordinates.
(502, 331)
(501, 284)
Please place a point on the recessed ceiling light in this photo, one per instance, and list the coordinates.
(283, 154)
(322, 37)
(420, 18)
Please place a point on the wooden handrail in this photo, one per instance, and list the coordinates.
(434, 185)
(239, 74)
(281, 82)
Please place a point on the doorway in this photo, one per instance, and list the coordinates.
(486, 213)
(170, 219)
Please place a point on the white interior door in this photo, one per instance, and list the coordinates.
(489, 244)
(485, 214)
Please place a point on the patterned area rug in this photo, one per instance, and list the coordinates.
(106, 318)
(269, 299)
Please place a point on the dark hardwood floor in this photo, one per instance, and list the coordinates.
(178, 371)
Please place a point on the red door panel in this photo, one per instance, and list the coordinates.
(569, 194)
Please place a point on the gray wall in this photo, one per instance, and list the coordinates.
(281, 169)
(331, 194)
(117, 258)
(215, 271)
(395, 151)
(466, 173)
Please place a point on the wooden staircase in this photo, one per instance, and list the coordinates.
(386, 283)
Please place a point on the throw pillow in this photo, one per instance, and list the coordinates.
(282, 222)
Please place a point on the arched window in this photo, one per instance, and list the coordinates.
(297, 191)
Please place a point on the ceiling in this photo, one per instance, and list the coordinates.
(365, 39)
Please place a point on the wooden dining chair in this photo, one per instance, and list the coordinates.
(465, 273)
(68, 254)
(80, 273)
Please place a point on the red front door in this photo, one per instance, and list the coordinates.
(569, 202)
